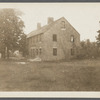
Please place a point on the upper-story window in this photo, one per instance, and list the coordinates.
(63, 24)
(55, 51)
(39, 37)
(54, 37)
(31, 40)
(34, 39)
(72, 38)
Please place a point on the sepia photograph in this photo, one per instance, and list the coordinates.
(49, 47)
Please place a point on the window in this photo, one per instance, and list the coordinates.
(33, 40)
(40, 37)
(36, 38)
(72, 38)
(54, 37)
(37, 51)
(55, 51)
(33, 52)
(40, 51)
(30, 40)
(72, 52)
(63, 24)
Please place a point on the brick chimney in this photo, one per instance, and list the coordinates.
(38, 25)
(50, 20)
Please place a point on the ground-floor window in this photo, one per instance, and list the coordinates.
(37, 51)
(40, 51)
(72, 52)
(55, 51)
(31, 53)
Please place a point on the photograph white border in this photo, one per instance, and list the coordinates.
(61, 94)
(48, 94)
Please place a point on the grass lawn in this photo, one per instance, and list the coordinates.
(82, 75)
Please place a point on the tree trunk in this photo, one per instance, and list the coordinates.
(7, 53)
(3, 54)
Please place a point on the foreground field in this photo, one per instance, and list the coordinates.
(81, 75)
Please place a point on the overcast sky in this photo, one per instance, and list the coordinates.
(84, 17)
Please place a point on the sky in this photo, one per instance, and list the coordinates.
(84, 17)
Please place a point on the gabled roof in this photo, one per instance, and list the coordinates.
(47, 27)
(42, 29)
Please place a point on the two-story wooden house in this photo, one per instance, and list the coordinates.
(57, 40)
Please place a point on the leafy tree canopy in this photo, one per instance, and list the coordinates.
(11, 30)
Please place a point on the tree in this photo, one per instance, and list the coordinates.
(23, 45)
(98, 42)
(98, 38)
(88, 49)
(11, 30)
